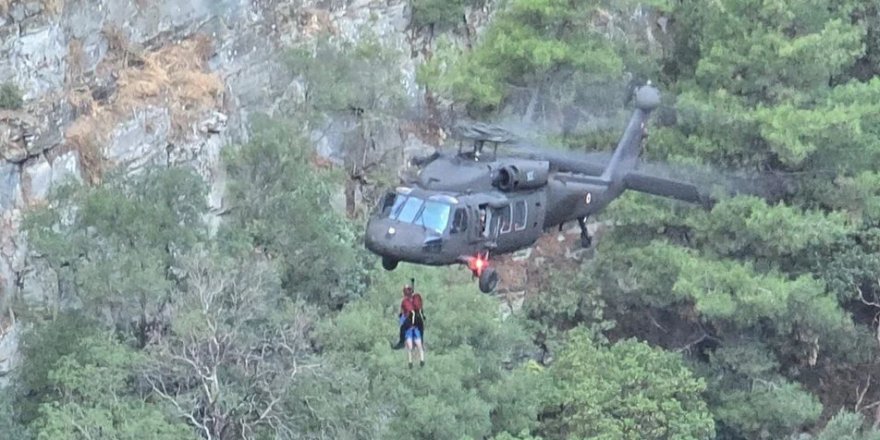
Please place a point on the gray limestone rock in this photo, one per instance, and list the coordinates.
(215, 123)
(8, 281)
(36, 180)
(65, 168)
(11, 151)
(35, 60)
(10, 186)
(33, 8)
(17, 132)
(17, 12)
(45, 131)
(39, 285)
(511, 303)
(202, 153)
(13, 246)
(39, 176)
(142, 140)
(13, 249)
(9, 354)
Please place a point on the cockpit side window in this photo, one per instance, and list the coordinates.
(459, 220)
(504, 214)
(398, 203)
(388, 203)
(519, 215)
(485, 225)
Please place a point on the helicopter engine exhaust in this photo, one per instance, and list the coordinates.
(512, 177)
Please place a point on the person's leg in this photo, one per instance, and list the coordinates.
(402, 337)
(418, 342)
(409, 345)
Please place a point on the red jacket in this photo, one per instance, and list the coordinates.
(406, 306)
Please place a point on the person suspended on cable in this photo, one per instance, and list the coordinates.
(418, 313)
(414, 325)
(406, 308)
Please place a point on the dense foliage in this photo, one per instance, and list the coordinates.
(10, 96)
(751, 320)
(771, 301)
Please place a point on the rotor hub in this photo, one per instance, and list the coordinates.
(647, 97)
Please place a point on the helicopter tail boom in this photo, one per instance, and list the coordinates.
(660, 186)
(629, 147)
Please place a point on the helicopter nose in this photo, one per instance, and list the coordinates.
(403, 242)
(382, 236)
(373, 237)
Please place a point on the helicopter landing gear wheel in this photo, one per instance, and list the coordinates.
(488, 280)
(389, 263)
(586, 240)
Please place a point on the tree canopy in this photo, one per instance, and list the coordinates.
(754, 319)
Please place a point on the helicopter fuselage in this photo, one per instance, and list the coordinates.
(458, 209)
(463, 208)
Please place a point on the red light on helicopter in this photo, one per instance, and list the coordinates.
(477, 264)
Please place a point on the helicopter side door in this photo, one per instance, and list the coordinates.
(521, 222)
(487, 224)
(461, 222)
(506, 225)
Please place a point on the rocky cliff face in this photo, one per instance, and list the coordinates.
(126, 84)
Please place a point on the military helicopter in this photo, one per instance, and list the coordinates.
(467, 207)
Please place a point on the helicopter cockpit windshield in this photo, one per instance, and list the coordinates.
(430, 213)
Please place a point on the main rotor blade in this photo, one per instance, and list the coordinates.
(691, 183)
(589, 163)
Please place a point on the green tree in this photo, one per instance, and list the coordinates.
(472, 384)
(10, 423)
(565, 302)
(353, 91)
(848, 426)
(440, 14)
(283, 208)
(627, 390)
(750, 399)
(41, 349)
(520, 436)
(233, 348)
(528, 45)
(98, 397)
(118, 241)
(10, 96)
(769, 82)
